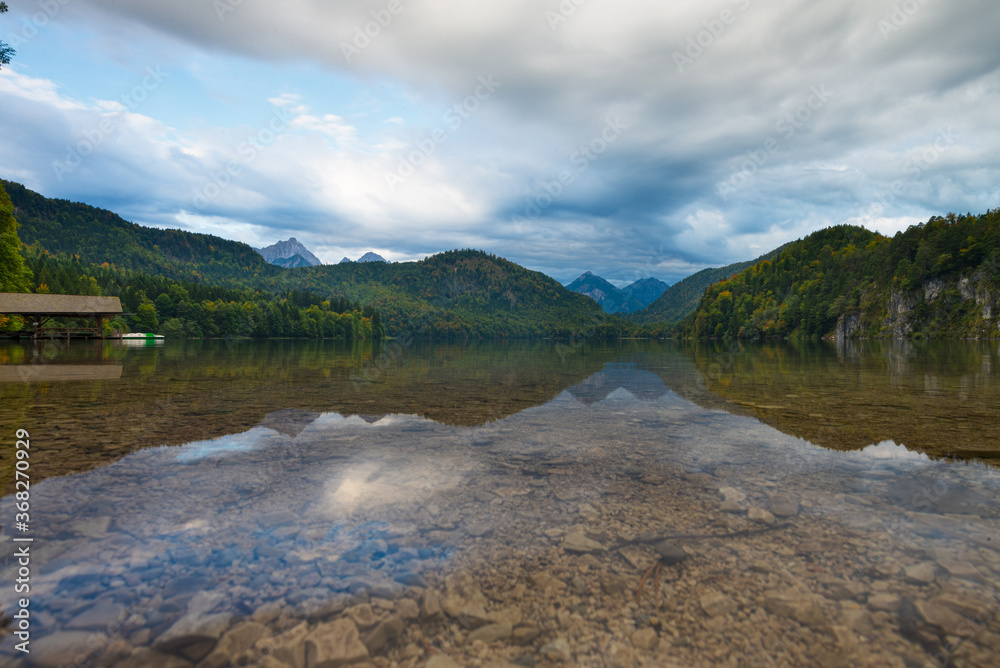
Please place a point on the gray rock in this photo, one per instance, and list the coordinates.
(234, 644)
(613, 584)
(99, 616)
(491, 633)
(362, 615)
(147, 658)
(760, 515)
(716, 603)
(479, 529)
(732, 495)
(731, 507)
(802, 607)
(387, 630)
(430, 605)
(965, 606)
(408, 608)
(410, 579)
(63, 648)
(922, 573)
(783, 504)
(886, 602)
(193, 636)
(962, 570)
(288, 647)
(267, 613)
(557, 650)
(205, 602)
(523, 635)
(670, 553)
(334, 644)
(464, 601)
(580, 544)
(941, 616)
(645, 639)
(934, 495)
(441, 661)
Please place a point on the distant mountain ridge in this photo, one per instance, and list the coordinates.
(631, 298)
(681, 299)
(456, 294)
(289, 254)
(367, 257)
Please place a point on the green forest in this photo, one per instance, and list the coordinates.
(937, 279)
(179, 283)
(177, 309)
(682, 298)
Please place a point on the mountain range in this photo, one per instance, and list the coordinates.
(939, 279)
(289, 254)
(466, 294)
(682, 298)
(367, 257)
(629, 299)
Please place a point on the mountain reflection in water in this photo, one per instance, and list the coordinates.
(508, 503)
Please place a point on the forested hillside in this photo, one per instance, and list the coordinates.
(99, 236)
(461, 293)
(182, 283)
(182, 309)
(682, 298)
(938, 279)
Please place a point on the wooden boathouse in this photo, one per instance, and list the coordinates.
(38, 310)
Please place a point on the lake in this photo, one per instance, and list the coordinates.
(293, 504)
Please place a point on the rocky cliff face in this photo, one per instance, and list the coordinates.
(286, 250)
(966, 306)
(897, 323)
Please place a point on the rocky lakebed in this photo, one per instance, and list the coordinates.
(624, 533)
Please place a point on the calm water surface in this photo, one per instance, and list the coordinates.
(293, 504)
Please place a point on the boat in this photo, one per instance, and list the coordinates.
(141, 339)
(141, 335)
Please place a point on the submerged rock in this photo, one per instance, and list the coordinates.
(783, 504)
(578, 543)
(193, 636)
(335, 644)
(670, 553)
(934, 495)
(464, 601)
(234, 644)
(60, 649)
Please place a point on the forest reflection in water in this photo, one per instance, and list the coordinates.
(90, 403)
(507, 503)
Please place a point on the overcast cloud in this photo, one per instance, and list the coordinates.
(628, 138)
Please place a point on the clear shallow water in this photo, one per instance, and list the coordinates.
(505, 503)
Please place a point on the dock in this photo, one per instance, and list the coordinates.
(39, 309)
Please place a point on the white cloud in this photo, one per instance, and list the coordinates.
(655, 188)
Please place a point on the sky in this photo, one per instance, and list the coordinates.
(632, 138)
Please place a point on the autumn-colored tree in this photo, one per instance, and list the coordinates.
(14, 276)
